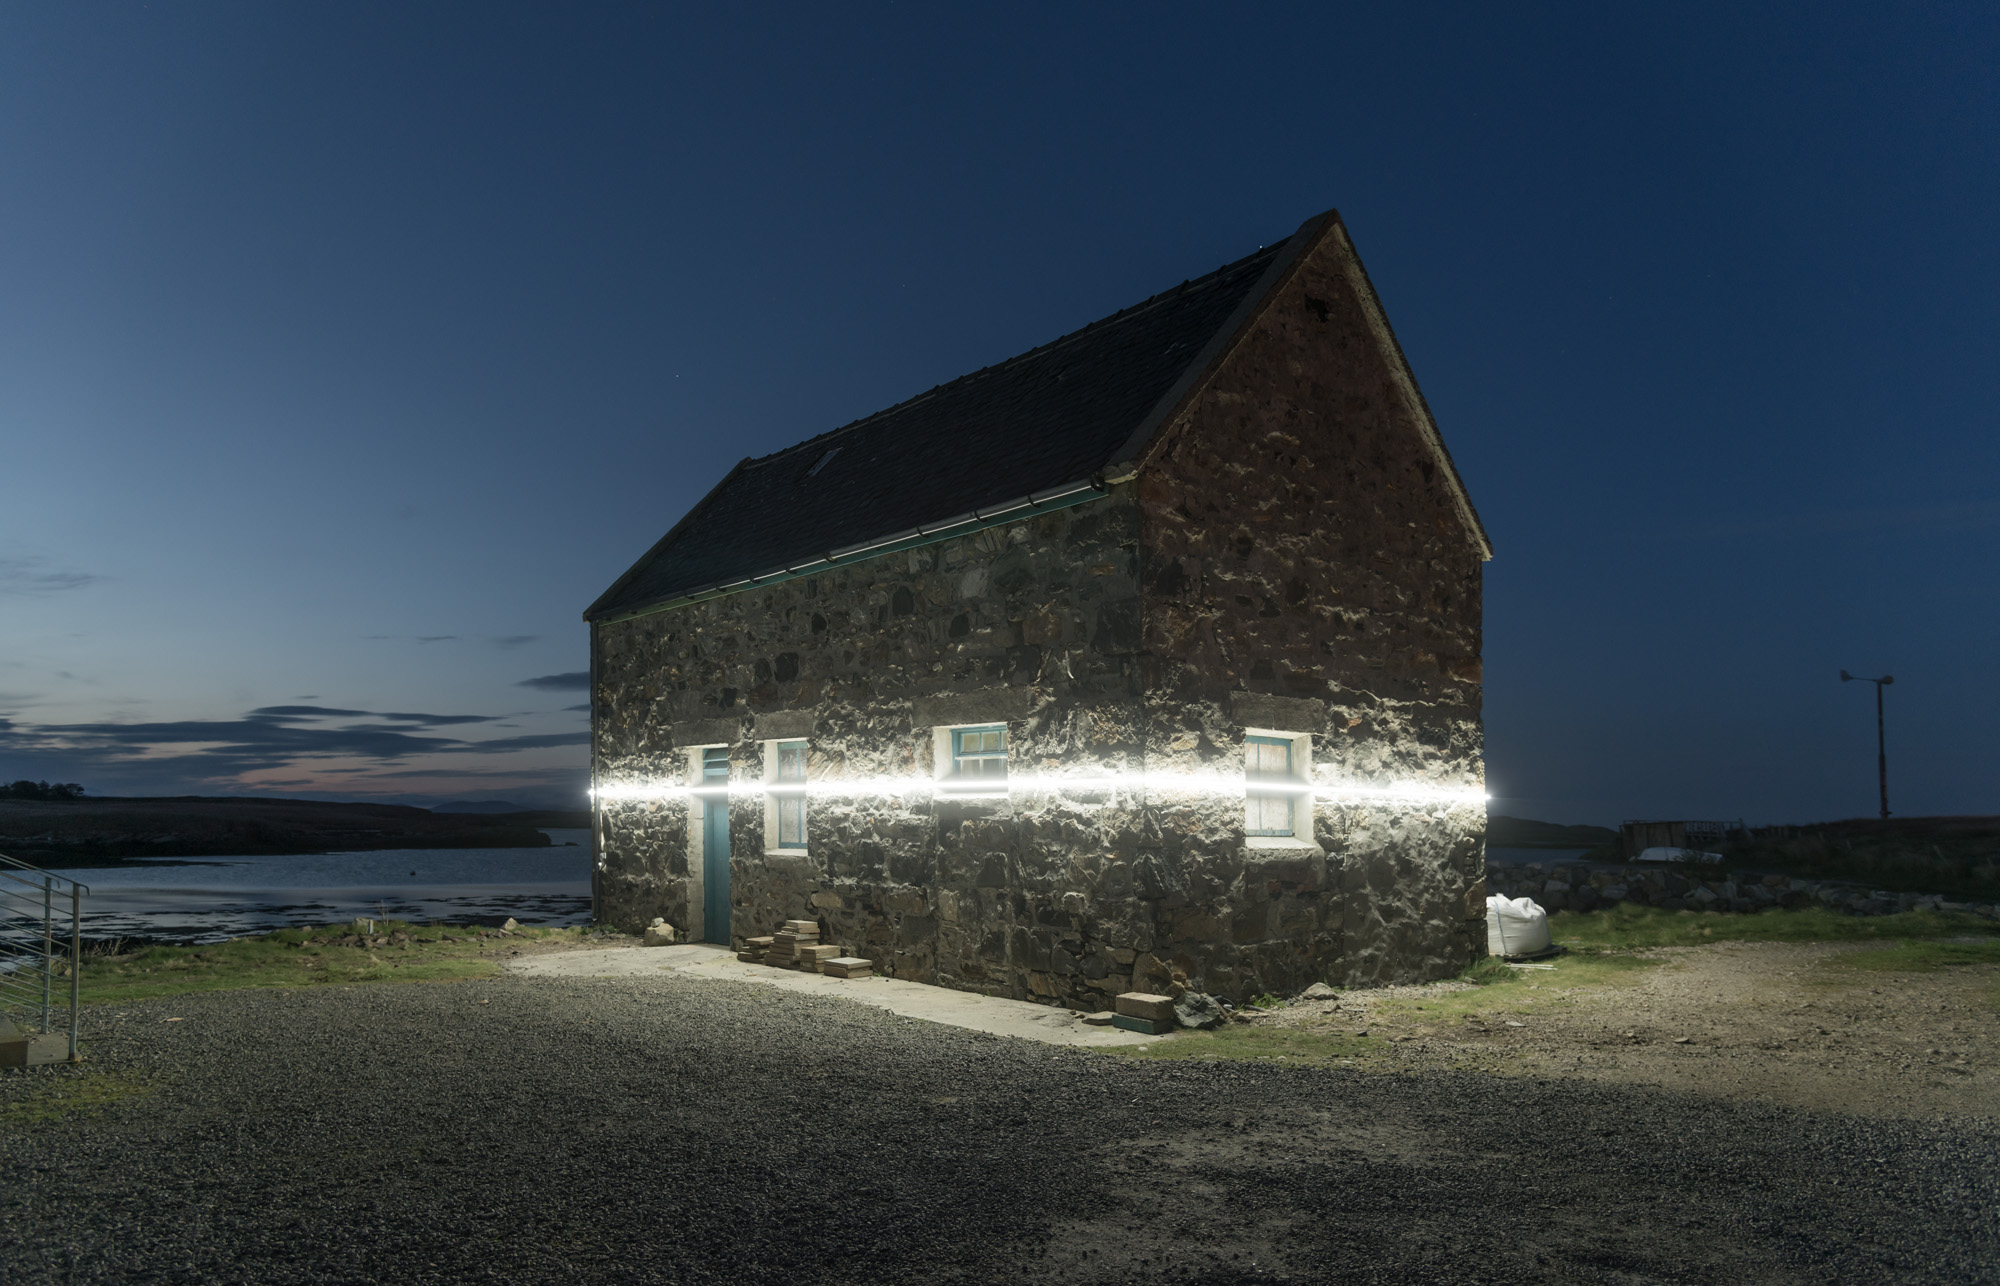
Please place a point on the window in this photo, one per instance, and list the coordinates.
(979, 755)
(1272, 810)
(785, 814)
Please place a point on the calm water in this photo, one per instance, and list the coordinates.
(212, 898)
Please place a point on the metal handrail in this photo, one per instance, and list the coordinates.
(25, 919)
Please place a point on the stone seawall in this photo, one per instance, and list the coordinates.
(1590, 886)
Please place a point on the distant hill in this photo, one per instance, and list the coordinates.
(1519, 832)
(561, 818)
(106, 831)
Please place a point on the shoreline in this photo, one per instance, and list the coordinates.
(97, 833)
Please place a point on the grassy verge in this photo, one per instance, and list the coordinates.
(308, 958)
(59, 1092)
(1498, 991)
(1634, 928)
(1920, 957)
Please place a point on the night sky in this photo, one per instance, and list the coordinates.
(348, 351)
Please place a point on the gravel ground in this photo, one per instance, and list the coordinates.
(693, 1131)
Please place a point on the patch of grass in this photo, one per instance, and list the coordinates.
(1631, 928)
(1501, 988)
(1488, 970)
(1920, 957)
(1254, 1041)
(37, 1096)
(300, 958)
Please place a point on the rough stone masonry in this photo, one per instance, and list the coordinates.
(1255, 608)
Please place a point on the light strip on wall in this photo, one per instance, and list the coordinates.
(1414, 794)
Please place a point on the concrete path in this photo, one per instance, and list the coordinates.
(1044, 1023)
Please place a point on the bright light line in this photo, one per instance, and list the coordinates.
(1230, 786)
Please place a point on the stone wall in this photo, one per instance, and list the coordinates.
(1034, 624)
(1582, 886)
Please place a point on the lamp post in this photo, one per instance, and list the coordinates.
(1881, 746)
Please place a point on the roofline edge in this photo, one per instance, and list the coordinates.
(661, 544)
(1406, 379)
(1095, 487)
(1222, 342)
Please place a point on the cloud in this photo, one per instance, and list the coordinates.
(574, 681)
(435, 638)
(584, 707)
(507, 642)
(538, 741)
(176, 755)
(440, 720)
(295, 713)
(26, 576)
(303, 712)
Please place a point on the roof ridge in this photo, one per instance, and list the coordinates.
(1177, 291)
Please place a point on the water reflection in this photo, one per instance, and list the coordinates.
(210, 899)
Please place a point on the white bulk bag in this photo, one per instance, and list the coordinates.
(1516, 927)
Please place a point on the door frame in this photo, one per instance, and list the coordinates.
(715, 770)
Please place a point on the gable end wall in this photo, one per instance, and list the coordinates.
(1304, 550)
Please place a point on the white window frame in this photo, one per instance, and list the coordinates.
(945, 742)
(780, 791)
(1294, 784)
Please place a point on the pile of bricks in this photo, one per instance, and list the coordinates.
(796, 945)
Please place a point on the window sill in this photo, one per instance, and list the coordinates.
(1291, 843)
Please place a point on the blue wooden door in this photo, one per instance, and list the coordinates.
(715, 848)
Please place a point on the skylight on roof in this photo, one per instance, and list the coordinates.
(823, 462)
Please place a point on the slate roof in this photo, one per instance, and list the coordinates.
(1051, 417)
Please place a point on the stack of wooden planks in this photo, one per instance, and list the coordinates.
(796, 945)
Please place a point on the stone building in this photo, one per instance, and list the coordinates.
(1155, 648)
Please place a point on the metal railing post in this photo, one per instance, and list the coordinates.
(22, 957)
(75, 965)
(48, 948)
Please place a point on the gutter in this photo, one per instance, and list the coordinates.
(965, 524)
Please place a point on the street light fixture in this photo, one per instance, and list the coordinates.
(1881, 746)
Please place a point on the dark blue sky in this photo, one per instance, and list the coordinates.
(348, 351)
